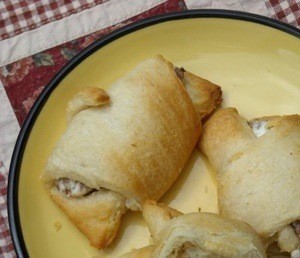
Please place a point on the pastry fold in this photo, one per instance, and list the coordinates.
(197, 235)
(144, 252)
(132, 140)
(258, 168)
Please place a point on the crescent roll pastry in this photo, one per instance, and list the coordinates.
(197, 235)
(125, 145)
(258, 168)
(144, 252)
(205, 95)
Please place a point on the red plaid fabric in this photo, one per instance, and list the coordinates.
(287, 11)
(6, 245)
(24, 15)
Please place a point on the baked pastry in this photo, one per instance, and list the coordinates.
(196, 235)
(258, 168)
(125, 145)
(144, 252)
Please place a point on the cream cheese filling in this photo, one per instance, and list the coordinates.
(259, 127)
(295, 253)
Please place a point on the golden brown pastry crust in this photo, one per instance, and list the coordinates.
(97, 216)
(201, 234)
(144, 252)
(87, 97)
(213, 235)
(149, 126)
(258, 177)
(205, 95)
(157, 215)
(133, 139)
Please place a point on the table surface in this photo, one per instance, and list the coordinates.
(22, 80)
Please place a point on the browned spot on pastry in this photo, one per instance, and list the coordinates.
(167, 212)
(94, 96)
(206, 96)
(236, 156)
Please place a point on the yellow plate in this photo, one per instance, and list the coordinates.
(257, 67)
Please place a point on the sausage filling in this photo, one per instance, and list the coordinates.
(179, 72)
(296, 226)
(72, 188)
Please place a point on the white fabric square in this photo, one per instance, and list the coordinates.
(9, 28)
(63, 9)
(76, 4)
(23, 23)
